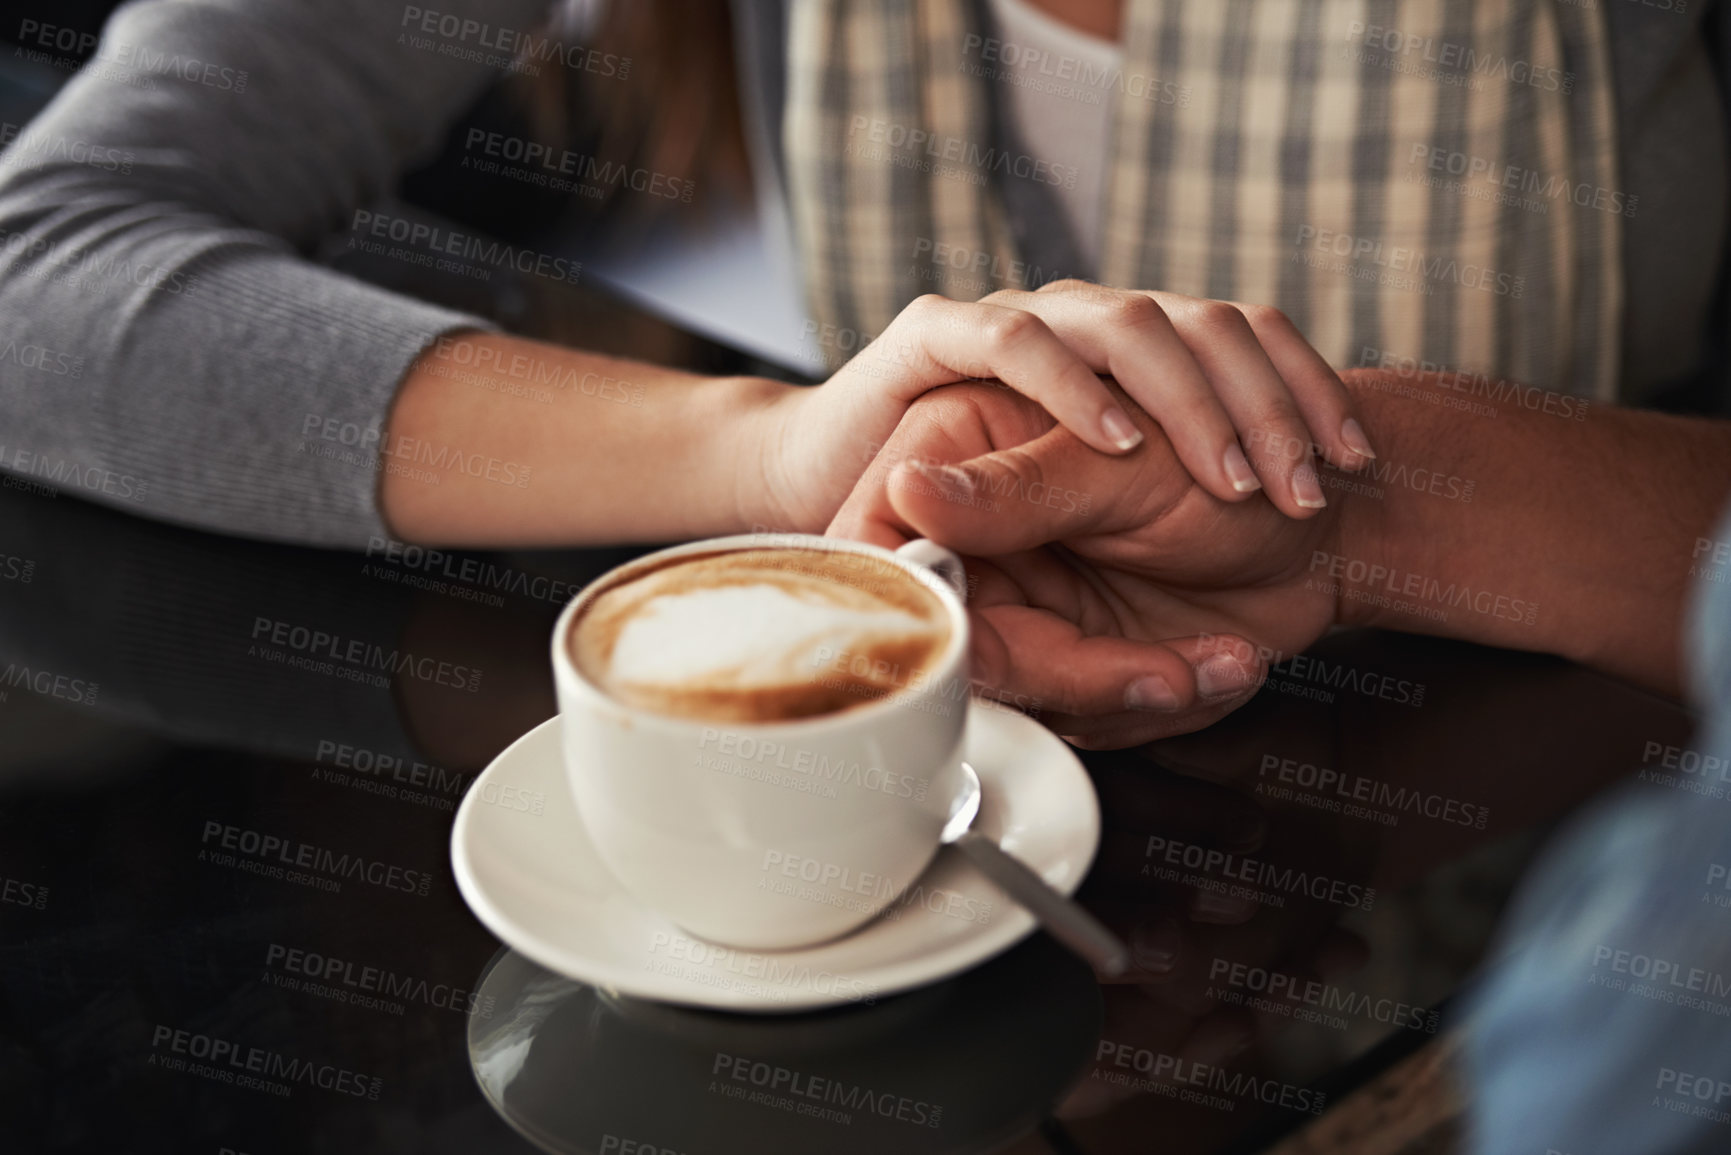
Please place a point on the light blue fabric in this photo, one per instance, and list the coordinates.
(1558, 1058)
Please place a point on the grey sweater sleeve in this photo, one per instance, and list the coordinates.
(165, 346)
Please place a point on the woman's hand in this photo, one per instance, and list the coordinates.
(1241, 396)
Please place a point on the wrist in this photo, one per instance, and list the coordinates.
(1513, 525)
(1361, 537)
(751, 417)
(1380, 535)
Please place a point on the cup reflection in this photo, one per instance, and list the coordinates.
(962, 1066)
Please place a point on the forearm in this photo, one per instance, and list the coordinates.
(1578, 537)
(496, 440)
(190, 364)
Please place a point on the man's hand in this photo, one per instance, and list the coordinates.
(1155, 606)
(1593, 530)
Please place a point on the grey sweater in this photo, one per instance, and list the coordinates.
(190, 355)
(167, 345)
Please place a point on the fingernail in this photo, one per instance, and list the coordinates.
(1151, 693)
(1211, 906)
(1119, 429)
(1352, 433)
(1238, 470)
(1154, 949)
(1306, 490)
(1221, 676)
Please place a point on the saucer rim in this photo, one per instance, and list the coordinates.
(987, 942)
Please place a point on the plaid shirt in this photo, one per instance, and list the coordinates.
(1426, 181)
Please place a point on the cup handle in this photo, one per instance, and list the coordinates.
(940, 561)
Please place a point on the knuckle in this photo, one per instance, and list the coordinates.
(925, 306)
(1219, 318)
(1209, 425)
(1134, 311)
(1012, 328)
(1265, 317)
(1023, 466)
(1282, 416)
(1073, 692)
(1064, 285)
(1276, 437)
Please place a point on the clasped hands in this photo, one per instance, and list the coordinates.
(1116, 594)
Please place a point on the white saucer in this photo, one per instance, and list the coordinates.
(528, 871)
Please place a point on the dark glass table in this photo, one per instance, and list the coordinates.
(1308, 885)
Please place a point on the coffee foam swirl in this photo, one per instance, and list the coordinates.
(753, 635)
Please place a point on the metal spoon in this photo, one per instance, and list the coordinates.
(1063, 919)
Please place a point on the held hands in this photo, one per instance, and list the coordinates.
(1241, 395)
(1155, 606)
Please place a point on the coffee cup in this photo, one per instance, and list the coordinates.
(763, 733)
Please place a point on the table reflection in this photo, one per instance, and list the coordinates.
(1306, 884)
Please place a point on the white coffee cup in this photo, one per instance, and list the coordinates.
(771, 835)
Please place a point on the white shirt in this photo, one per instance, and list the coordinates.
(1043, 68)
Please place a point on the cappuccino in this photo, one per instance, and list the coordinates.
(761, 635)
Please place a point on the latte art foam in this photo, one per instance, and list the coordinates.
(754, 635)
